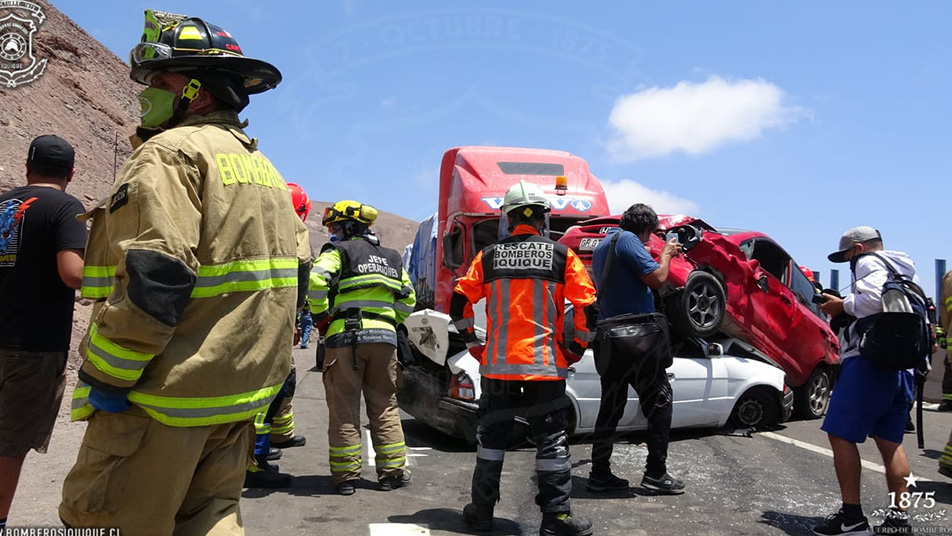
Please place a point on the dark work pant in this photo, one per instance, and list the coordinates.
(545, 405)
(654, 394)
(947, 378)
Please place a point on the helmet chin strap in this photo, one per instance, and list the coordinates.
(189, 94)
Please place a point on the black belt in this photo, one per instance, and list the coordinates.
(364, 315)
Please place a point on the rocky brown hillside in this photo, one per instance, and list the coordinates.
(85, 96)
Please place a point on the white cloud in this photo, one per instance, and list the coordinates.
(696, 117)
(624, 193)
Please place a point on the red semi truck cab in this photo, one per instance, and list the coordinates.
(473, 181)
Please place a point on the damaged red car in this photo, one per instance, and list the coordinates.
(744, 285)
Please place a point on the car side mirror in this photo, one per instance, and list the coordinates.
(715, 349)
(452, 249)
(762, 282)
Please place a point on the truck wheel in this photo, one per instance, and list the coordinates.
(811, 399)
(754, 408)
(698, 309)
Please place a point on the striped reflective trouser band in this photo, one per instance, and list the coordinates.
(187, 411)
(392, 456)
(553, 465)
(262, 427)
(245, 276)
(283, 424)
(97, 281)
(492, 455)
(123, 366)
(947, 396)
(946, 458)
(344, 459)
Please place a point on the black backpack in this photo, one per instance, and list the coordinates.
(900, 337)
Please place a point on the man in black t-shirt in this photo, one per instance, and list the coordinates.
(41, 265)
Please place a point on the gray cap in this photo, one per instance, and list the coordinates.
(851, 238)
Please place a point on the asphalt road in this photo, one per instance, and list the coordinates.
(774, 483)
(762, 484)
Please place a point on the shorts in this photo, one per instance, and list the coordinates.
(869, 401)
(31, 390)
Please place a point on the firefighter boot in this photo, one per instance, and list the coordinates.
(565, 524)
(295, 441)
(264, 475)
(478, 518)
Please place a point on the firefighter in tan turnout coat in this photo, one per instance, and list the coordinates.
(196, 262)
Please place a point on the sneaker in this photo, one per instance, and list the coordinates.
(896, 522)
(296, 441)
(478, 518)
(303, 347)
(346, 488)
(609, 482)
(837, 525)
(273, 454)
(666, 484)
(565, 524)
(388, 483)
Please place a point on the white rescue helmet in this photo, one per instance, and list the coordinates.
(525, 194)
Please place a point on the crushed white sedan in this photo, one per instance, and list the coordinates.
(714, 383)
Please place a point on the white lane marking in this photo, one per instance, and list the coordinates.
(411, 454)
(820, 450)
(398, 529)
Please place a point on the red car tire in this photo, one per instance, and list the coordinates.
(698, 310)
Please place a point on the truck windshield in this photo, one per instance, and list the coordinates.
(531, 168)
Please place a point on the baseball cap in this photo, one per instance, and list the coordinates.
(51, 151)
(851, 238)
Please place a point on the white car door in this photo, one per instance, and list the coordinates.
(700, 389)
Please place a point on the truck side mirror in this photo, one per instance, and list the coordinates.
(452, 249)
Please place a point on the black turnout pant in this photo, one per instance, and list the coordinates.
(654, 394)
(544, 405)
(947, 377)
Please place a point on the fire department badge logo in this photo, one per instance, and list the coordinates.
(18, 65)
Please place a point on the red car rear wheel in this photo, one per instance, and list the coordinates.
(698, 309)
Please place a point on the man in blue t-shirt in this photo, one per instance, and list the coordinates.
(626, 288)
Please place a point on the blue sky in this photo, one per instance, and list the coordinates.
(799, 120)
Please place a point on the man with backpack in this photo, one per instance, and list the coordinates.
(870, 400)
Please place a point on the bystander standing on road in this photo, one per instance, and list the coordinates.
(41, 266)
(945, 325)
(869, 401)
(197, 263)
(526, 280)
(625, 274)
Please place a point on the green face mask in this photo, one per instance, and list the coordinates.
(157, 106)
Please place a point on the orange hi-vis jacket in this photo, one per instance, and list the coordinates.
(526, 280)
